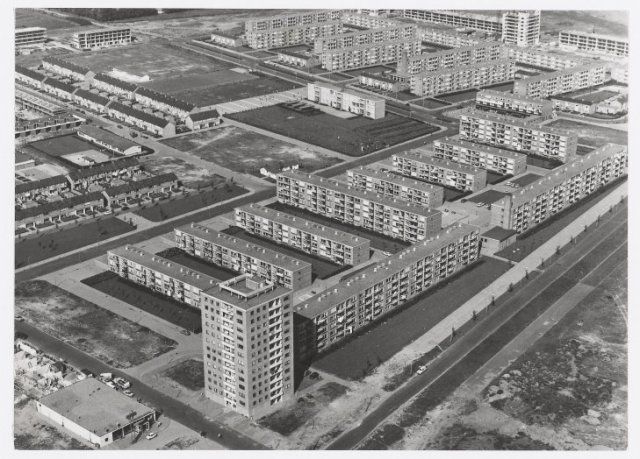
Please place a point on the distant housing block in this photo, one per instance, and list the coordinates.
(101, 38)
(29, 36)
(505, 101)
(598, 43)
(571, 79)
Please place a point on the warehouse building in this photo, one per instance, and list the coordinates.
(67, 69)
(101, 38)
(305, 235)
(29, 77)
(529, 206)
(30, 36)
(203, 120)
(95, 412)
(332, 199)
(503, 162)
(396, 186)
(143, 120)
(423, 165)
(247, 325)
(572, 79)
(460, 78)
(348, 100)
(516, 134)
(501, 101)
(241, 256)
(91, 100)
(598, 43)
(329, 317)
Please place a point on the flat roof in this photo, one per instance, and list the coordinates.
(557, 73)
(426, 157)
(336, 88)
(167, 267)
(382, 270)
(30, 29)
(396, 179)
(105, 30)
(598, 35)
(484, 44)
(460, 68)
(510, 96)
(526, 179)
(95, 406)
(512, 121)
(107, 137)
(362, 194)
(488, 196)
(498, 233)
(246, 291)
(304, 225)
(54, 108)
(472, 146)
(240, 245)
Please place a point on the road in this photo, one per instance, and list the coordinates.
(478, 345)
(170, 407)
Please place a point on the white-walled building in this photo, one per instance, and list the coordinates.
(101, 38)
(348, 100)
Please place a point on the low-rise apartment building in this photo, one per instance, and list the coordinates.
(329, 317)
(143, 120)
(294, 59)
(37, 104)
(333, 199)
(502, 101)
(160, 275)
(348, 100)
(396, 186)
(460, 78)
(504, 162)
(567, 80)
(241, 256)
(529, 206)
(101, 38)
(595, 42)
(424, 165)
(382, 82)
(520, 135)
(29, 36)
(310, 237)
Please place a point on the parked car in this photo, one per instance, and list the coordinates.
(422, 369)
(106, 377)
(128, 393)
(480, 204)
(111, 384)
(151, 435)
(121, 382)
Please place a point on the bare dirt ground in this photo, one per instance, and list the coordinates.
(607, 22)
(188, 174)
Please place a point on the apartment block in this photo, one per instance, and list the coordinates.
(305, 235)
(598, 43)
(383, 82)
(571, 79)
(546, 59)
(396, 186)
(247, 339)
(333, 199)
(485, 22)
(292, 29)
(424, 165)
(460, 78)
(521, 28)
(101, 38)
(326, 319)
(365, 37)
(29, 36)
(527, 207)
(450, 58)
(348, 100)
(450, 37)
(159, 274)
(502, 101)
(504, 162)
(241, 256)
(520, 135)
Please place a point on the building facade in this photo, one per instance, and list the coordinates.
(305, 235)
(521, 28)
(29, 36)
(598, 43)
(67, 69)
(543, 58)
(458, 19)
(571, 79)
(506, 102)
(143, 120)
(101, 38)
(348, 100)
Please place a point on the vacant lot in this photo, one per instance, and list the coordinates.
(458, 96)
(96, 331)
(320, 267)
(529, 241)
(356, 136)
(49, 245)
(199, 81)
(358, 357)
(63, 145)
(180, 205)
(147, 300)
(31, 18)
(378, 241)
(234, 91)
(462, 437)
(197, 264)
(188, 373)
(591, 135)
(246, 151)
(190, 175)
(431, 103)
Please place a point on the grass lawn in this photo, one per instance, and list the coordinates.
(62, 145)
(147, 300)
(458, 96)
(49, 245)
(188, 373)
(198, 81)
(531, 240)
(197, 264)
(356, 136)
(31, 18)
(235, 148)
(177, 206)
(102, 334)
(378, 241)
(545, 163)
(431, 103)
(191, 176)
(320, 267)
(591, 135)
(359, 356)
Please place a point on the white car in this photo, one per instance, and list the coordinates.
(111, 384)
(121, 382)
(128, 393)
(151, 435)
(422, 369)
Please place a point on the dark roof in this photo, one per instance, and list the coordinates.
(67, 65)
(139, 114)
(115, 82)
(60, 85)
(205, 115)
(140, 184)
(498, 233)
(93, 97)
(30, 73)
(165, 99)
(49, 207)
(45, 121)
(102, 168)
(45, 182)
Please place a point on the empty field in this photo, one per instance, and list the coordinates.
(190, 175)
(63, 145)
(30, 18)
(247, 151)
(188, 373)
(147, 300)
(199, 81)
(355, 136)
(360, 355)
(96, 331)
(197, 264)
(458, 96)
(592, 135)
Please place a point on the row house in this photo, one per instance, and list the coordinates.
(67, 69)
(29, 77)
(90, 100)
(163, 102)
(143, 120)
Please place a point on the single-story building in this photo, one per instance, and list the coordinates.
(109, 140)
(297, 59)
(220, 38)
(382, 82)
(202, 120)
(496, 239)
